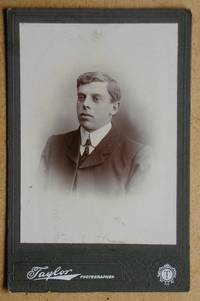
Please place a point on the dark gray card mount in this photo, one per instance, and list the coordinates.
(34, 267)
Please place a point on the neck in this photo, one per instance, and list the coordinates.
(92, 131)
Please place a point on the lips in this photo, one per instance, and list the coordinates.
(85, 115)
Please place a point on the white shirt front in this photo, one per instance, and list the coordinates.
(95, 137)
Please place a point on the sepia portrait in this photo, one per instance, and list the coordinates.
(99, 142)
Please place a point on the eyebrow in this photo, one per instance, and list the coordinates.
(92, 93)
(96, 94)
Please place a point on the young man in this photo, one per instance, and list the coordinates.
(95, 158)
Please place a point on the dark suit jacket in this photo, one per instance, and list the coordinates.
(110, 169)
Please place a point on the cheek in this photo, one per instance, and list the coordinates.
(104, 113)
(107, 109)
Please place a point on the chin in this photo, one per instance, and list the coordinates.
(88, 127)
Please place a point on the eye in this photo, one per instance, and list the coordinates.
(81, 97)
(96, 98)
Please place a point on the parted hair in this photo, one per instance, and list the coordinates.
(112, 85)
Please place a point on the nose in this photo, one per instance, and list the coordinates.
(87, 102)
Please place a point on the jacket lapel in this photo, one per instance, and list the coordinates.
(103, 150)
(72, 146)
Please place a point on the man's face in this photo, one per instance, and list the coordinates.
(94, 106)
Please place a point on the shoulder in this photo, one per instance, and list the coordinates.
(129, 146)
(58, 143)
(64, 137)
(136, 151)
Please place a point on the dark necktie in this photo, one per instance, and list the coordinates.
(86, 151)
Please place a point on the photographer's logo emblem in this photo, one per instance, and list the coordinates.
(167, 273)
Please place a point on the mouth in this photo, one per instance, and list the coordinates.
(85, 115)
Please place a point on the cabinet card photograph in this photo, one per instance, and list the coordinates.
(98, 115)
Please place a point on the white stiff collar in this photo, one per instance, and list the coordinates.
(95, 136)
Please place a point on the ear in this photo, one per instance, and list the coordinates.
(115, 107)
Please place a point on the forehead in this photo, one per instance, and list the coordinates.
(94, 87)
